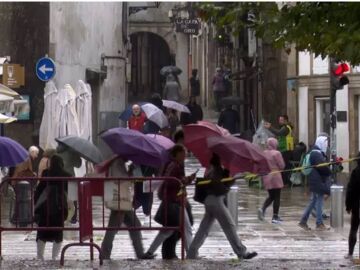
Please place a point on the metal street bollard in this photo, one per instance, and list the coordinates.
(232, 203)
(22, 214)
(337, 212)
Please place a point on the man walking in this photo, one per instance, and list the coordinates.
(218, 88)
(319, 183)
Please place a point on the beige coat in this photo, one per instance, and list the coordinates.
(122, 190)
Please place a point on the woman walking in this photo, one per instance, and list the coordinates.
(273, 183)
(352, 206)
(215, 208)
(169, 210)
(51, 207)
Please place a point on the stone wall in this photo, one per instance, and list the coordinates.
(25, 38)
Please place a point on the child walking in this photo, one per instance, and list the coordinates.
(273, 183)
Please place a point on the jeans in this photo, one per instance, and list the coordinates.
(316, 201)
(274, 197)
(215, 208)
(130, 220)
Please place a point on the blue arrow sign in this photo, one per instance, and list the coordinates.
(45, 69)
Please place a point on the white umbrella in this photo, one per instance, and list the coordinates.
(83, 109)
(4, 90)
(67, 120)
(176, 106)
(154, 114)
(4, 119)
(48, 131)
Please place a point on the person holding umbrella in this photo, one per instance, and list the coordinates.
(137, 119)
(172, 88)
(196, 113)
(170, 190)
(215, 208)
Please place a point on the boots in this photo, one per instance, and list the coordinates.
(40, 249)
(56, 250)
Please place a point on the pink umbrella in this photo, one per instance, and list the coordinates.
(162, 140)
(239, 155)
(195, 139)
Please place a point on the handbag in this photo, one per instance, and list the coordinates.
(200, 192)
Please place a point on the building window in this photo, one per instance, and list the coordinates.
(322, 115)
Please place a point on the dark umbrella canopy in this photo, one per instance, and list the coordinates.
(11, 152)
(232, 100)
(137, 147)
(84, 148)
(170, 70)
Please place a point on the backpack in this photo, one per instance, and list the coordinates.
(306, 163)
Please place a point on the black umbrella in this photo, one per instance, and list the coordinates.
(170, 70)
(232, 100)
(84, 148)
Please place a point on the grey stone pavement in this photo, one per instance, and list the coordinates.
(284, 246)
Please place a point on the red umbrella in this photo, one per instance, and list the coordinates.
(239, 155)
(195, 139)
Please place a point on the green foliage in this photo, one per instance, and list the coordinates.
(325, 28)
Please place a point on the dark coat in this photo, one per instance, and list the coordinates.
(353, 191)
(196, 114)
(194, 86)
(53, 211)
(319, 178)
(230, 120)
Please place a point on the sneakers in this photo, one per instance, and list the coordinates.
(276, 220)
(322, 227)
(260, 214)
(304, 226)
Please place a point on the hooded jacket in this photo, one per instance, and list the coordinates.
(276, 162)
(319, 181)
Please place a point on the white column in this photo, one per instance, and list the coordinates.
(342, 128)
(303, 115)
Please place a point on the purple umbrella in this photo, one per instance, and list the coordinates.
(11, 152)
(162, 140)
(135, 146)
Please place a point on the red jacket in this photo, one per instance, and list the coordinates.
(170, 189)
(137, 122)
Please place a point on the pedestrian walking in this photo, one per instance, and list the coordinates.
(173, 121)
(273, 183)
(137, 119)
(215, 208)
(229, 119)
(319, 183)
(172, 88)
(194, 84)
(196, 113)
(45, 160)
(50, 208)
(121, 209)
(218, 84)
(286, 142)
(169, 210)
(352, 204)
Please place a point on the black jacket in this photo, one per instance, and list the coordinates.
(353, 191)
(195, 115)
(230, 120)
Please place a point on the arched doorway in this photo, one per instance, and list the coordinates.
(150, 53)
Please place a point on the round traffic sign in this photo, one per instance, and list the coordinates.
(45, 69)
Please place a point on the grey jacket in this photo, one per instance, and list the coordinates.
(172, 89)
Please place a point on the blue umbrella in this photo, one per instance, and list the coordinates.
(126, 114)
(11, 152)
